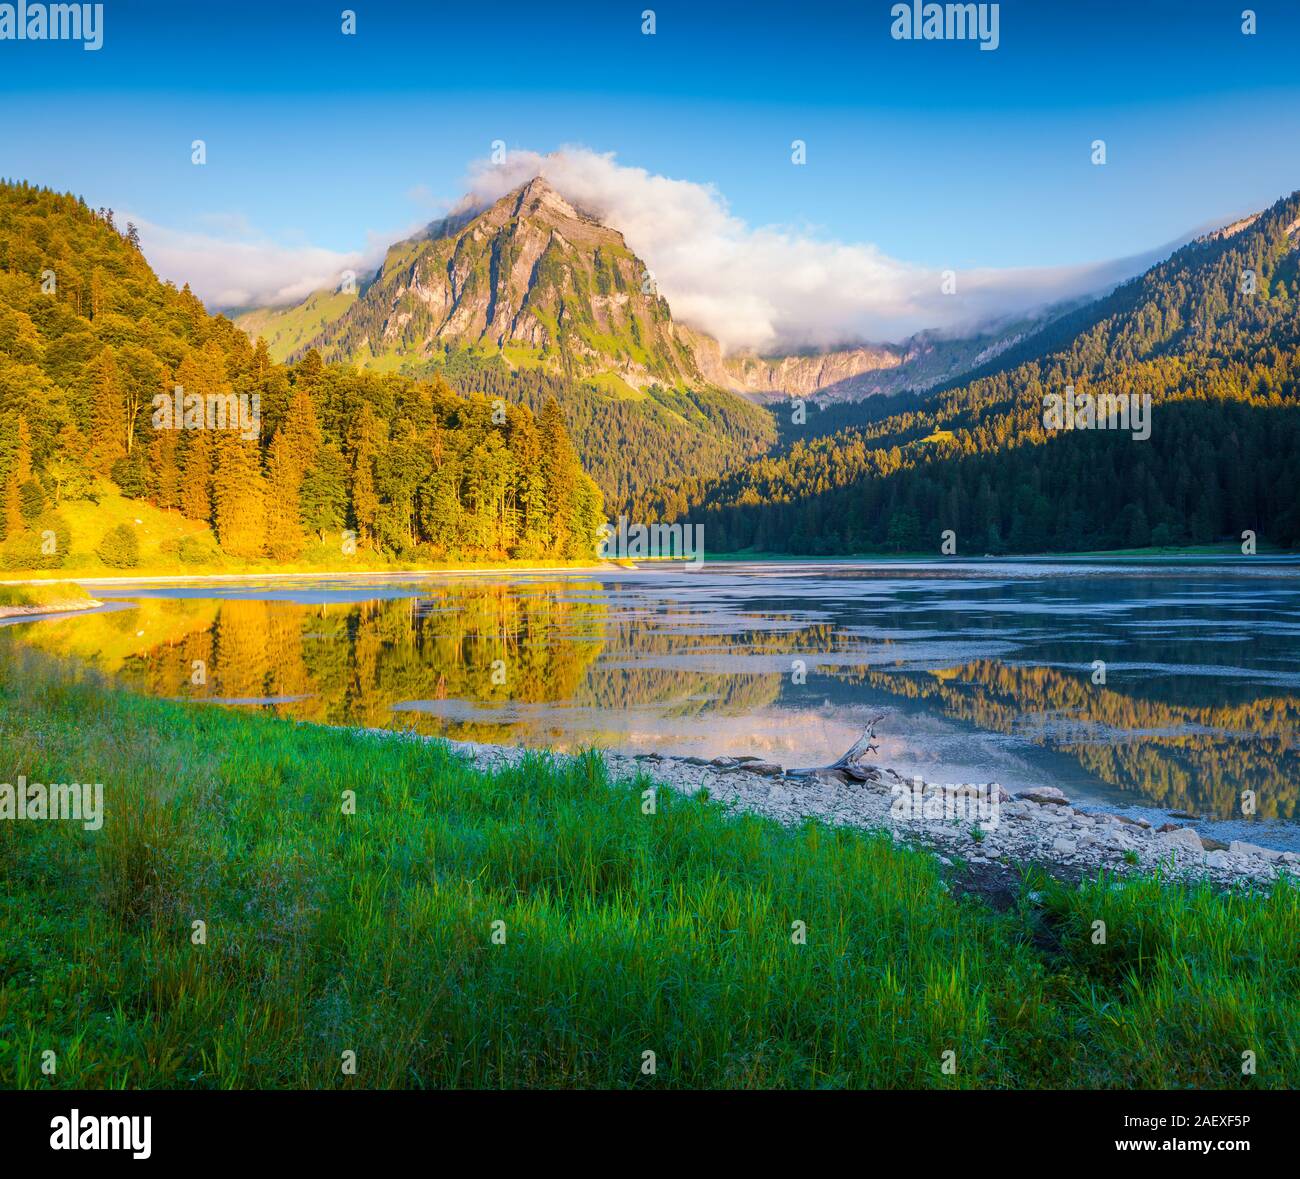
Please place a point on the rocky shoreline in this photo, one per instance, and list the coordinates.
(49, 608)
(991, 832)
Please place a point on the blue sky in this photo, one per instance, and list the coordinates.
(935, 152)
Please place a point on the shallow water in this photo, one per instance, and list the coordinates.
(984, 672)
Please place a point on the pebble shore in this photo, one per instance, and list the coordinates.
(1033, 827)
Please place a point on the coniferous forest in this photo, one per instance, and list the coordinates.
(344, 461)
(1211, 335)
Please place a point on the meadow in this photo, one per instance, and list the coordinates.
(369, 894)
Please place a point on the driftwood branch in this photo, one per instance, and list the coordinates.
(849, 766)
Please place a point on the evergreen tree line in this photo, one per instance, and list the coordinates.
(1209, 472)
(408, 468)
(629, 447)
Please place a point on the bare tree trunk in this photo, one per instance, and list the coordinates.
(849, 766)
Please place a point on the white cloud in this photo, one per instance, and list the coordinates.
(242, 268)
(764, 288)
(772, 288)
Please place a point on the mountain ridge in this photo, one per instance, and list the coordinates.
(530, 277)
(1209, 337)
(537, 280)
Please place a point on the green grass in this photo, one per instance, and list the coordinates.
(625, 933)
(286, 329)
(613, 385)
(158, 534)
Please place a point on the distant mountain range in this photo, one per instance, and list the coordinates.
(1208, 339)
(541, 284)
(532, 298)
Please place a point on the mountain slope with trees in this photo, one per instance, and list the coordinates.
(531, 299)
(1211, 335)
(344, 461)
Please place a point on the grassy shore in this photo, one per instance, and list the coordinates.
(27, 599)
(622, 932)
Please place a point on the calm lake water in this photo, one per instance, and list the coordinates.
(984, 672)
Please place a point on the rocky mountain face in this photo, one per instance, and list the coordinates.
(531, 277)
(852, 374)
(543, 284)
(803, 375)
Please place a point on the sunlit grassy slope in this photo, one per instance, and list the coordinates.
(287, 329)
(30, 596)
(160, 533)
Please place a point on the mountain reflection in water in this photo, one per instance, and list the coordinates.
(985, 672)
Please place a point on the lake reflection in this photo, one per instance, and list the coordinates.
(985, 672)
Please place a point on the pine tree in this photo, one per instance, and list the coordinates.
(364, 446)
(196, 476)
(323, 497)
(164, 471)
(560, 470)
(238, 496)
(108, 413)
(284, 539)
(302, 431)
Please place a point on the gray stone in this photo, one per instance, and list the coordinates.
(1182, 839)
(1239, 847)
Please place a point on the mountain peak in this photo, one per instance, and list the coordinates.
(537, 198)
(546, 283)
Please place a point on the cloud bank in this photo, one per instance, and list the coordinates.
(767, 289)
(771, 288)
(231, 265)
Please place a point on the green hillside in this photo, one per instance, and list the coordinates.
(287, 330)
(314, 463)
(1211, 336)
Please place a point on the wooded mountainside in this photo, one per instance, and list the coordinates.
(89, 337)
